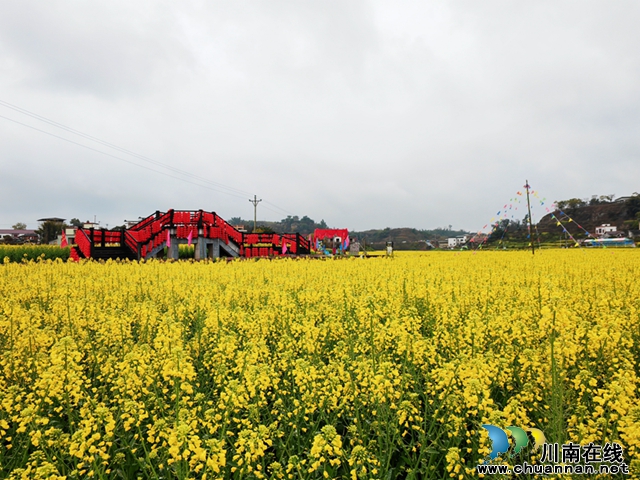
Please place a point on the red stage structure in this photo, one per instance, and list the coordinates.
(211, 235)
(332, 239)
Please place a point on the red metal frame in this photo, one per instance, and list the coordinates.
(151, 232)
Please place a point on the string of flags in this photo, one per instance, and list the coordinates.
(508, 212)
(560, 224)
(588, 234)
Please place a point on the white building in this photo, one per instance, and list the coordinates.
(453, 242)
(605, 229)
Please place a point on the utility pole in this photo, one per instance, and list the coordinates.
(255, 202)
(533, 251)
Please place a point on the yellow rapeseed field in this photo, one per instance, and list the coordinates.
(354, 369)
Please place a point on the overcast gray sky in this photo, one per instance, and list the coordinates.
(364, 114)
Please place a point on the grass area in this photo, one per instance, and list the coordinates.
(20, 253)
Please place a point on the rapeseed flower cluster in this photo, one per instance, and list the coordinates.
(308, 369)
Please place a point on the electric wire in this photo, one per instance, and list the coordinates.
(118, 158)
(275, 206)
(128, 152)
(116, 147)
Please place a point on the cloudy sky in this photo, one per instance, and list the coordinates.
(364, 114)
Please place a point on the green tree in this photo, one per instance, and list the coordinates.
(236, 221)
(49, 230)
(633, 205)
(574, 203)
(499, 230)
(19, 226)
(76, 223)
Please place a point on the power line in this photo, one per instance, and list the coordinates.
(118, 158)
(116, 147)
(273, 205)
(126, 151)
(255, 203)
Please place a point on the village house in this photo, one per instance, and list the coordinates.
(19, 236)
(606, 229)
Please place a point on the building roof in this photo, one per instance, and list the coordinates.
(51, 219)
(15, 233)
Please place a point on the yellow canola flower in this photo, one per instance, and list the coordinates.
(308, 368)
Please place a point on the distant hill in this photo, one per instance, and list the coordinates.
(303, 226)
(623, 213)
(589, 214)
(405, 238)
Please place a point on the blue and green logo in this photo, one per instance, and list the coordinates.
(569, 458)
(501, 444)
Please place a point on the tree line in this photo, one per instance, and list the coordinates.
(303, 226)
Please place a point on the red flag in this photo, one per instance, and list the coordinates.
(190, 237)
(284, 247)
(63, 242)
(168, 239)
